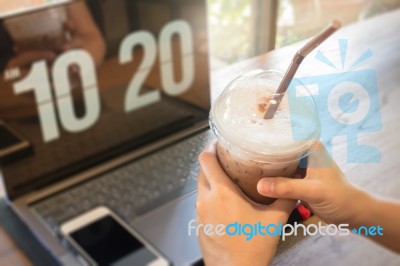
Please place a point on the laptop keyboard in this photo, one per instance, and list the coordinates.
(132, 189)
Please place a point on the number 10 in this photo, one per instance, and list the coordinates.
(38, 81)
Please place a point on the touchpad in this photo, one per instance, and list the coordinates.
(167, 229)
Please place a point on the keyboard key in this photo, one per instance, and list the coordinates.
(134, 188)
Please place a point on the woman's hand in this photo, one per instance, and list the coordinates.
(324, 189)
(220, 201)
(327, 192)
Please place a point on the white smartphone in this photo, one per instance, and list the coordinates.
(100, 237)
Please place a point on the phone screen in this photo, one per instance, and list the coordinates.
(7, 138)
(109, 243)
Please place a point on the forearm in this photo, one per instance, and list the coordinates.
(84, 28)
(379, 212)
(96, 47)
(258, 251)
(248, 259)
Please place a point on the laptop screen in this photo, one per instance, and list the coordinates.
(84, 81)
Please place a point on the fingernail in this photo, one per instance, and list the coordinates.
(263, 186)
(211, 147)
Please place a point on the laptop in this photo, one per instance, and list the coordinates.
(115, 118)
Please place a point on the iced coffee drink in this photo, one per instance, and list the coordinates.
(251, 147)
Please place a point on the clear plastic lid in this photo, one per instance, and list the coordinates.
(237, 117)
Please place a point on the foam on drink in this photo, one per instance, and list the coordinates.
(249, 146)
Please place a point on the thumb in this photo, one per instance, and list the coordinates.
(288, 188)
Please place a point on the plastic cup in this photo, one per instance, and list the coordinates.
(250, 147)
(41, 30)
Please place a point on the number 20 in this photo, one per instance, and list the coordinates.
(38, 80)
(134, 100)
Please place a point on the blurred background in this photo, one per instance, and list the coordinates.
(239, 29)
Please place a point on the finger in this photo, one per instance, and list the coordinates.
(288, 188)
(203, 187)
(319, 157)
(211, 168)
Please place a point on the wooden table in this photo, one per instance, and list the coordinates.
(381, 35)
